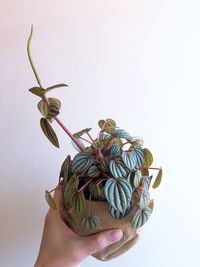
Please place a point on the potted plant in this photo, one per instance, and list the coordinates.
(106, 185)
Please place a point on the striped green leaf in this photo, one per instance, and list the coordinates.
(115, 150)
(93, 171)
(144, 199)
(140, 217)
(49, 132)
(147, 182)
(117, 214)
(69, 189)
(137, 178)
(97, 191)
(64, 171)
(78, 201)
(50, 200)
(53, 107)
(81, 162)
(104, 166)
(148, 157)
(90, 222)
(118, 193)
(158, 179)
(129, 160)
(139, 156)
(117, 169)
(120, 133)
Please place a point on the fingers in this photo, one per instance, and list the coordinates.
(93, 243)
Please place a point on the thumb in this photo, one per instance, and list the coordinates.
(93, 243)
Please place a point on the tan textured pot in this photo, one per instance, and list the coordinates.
(100, 209)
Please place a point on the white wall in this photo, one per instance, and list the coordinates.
(134, 61)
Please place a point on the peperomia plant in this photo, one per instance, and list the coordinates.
(113, 167)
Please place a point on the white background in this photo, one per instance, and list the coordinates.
(137, 62)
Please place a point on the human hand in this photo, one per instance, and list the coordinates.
(61, 247)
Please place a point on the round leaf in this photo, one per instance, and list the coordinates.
(117, 169)
(90, 222)
(118, 193)
(93, 171)
(115, 150)
(97, 191)
(81, 162)
(129, 160)
(140, 217)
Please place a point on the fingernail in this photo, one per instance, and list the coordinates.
(116, 235)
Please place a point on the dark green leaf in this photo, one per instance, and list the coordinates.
(78, 201)
(69, 189)
(50, 200)
(81, 162)
(53, 107)
(37, 91)
(115, 150)
(97, 191)
(90, 222)
(158, 179)
(140, 217)
(118, 193)
(64, 171)
(49, 132)
(93, 171)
